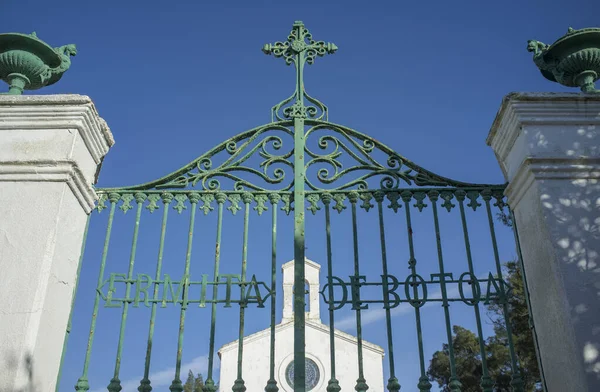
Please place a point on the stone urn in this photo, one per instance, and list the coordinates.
(28, 63)
(573, 60)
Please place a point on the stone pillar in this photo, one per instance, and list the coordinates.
(548, 146)
(51, 149)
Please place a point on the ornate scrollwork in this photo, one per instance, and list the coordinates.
(259, 159)
(353, 160)
(299, 49)
(256, 160)
(252, 160)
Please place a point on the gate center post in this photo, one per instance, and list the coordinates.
(299, 244)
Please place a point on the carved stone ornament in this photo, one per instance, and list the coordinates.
(28, 63)
(573, 60)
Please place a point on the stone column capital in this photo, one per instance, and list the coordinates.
(56, 138)
(547, 136)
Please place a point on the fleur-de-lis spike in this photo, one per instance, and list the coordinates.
(234, 199)
(447, 197)
(393, 198)
(127, 199)
(180, 206)
(153, 202)
(207, 200)
(287, 204)
(313, 200)
(260, 203)
(102, 202)
(339, 202)
(366, 198)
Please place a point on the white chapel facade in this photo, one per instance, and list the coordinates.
(256, 348)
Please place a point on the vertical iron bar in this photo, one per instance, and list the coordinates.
(361, 384)
(69, 323)
(299, 224)
(516, 379)
(177, 385)
(115, 382)
(333, 385)
(299, 243)
(424, 385)
(393, 384)
(487, 384)
(209, 385)
(238, 385)
(145, 382)
(272, 384)
(83, 383)
(454, 383)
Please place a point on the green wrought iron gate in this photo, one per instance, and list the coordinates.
(335, 169)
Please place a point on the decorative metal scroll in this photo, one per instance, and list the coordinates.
(258, 159)
(352, 160)
(299, 49)
(298, 162)
(232, 161)
(337, 158)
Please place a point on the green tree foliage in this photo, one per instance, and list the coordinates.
(198, 383)
(193, 384)
(519, 322)
(467, 353)
(467, 360)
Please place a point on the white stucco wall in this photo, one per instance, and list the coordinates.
(256, 359)
(256, 363)
(548, 146)
(50, 150)
(311, 273)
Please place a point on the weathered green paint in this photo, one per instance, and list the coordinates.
(516, 380)
(333, 384)
(361, 383)
(177, 385)
(393, 385)
(299, 256)
(398, 290)
(167, 198)
(573, 60)
(395, 289)
(299, 49)
(82, 382)
(28, 63)
(454, 383)
(271, 386)
(487, 384)
(348, 167)
(239, 384)
(115, 382)
(209, 385)
(183, 291)
(424, 385)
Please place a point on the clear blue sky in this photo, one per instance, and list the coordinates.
(173, 79)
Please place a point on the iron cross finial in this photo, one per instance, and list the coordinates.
(299, 48)
(300, 41)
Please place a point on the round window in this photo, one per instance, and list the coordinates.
(313, 375)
